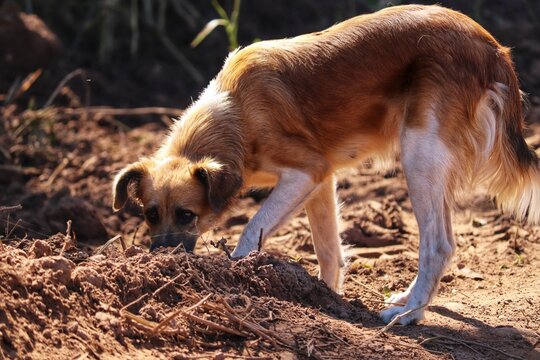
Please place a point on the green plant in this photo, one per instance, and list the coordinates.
(229, 22)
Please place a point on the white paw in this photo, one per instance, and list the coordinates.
(388, 314)
(398, 298)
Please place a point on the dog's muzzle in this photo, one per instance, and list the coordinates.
(173, 240)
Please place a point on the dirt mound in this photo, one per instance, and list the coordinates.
(119, 304)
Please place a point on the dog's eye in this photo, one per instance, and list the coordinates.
(183, 216)
(152, 215)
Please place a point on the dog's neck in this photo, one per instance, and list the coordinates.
(210, 128)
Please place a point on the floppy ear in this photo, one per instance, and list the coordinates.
(221, 184)
(129, 176)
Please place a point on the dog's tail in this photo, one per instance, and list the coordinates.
(512, 169)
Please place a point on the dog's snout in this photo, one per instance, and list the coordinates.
(173, 240)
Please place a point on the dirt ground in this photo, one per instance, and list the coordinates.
(65, 297)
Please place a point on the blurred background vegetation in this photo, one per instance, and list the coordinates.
(163, 52)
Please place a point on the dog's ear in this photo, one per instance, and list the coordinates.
(128, 177)
(221, 183)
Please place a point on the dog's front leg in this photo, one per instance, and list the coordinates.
(290, 193)
(322, 212)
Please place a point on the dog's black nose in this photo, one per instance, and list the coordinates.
(173, 240)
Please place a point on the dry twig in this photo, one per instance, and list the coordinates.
(222, 244)
(9, 209)
(259, 245)
(111, 241)
(397, 318)
(367, 288)
(13, 228)
(169, 318)
(67, 238)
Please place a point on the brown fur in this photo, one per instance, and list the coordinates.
(322, 101)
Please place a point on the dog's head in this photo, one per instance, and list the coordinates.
(180, 199)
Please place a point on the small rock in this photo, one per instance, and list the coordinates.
(468, 273)
(40, 249)
(447, 278)
(478, 222)
(97, 258)
(84, 274)
(133, 250)
(60, 266)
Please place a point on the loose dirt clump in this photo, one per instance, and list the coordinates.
(175, 305)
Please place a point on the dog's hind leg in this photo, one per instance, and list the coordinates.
(293, 189)
(322, 211)
(426, 163)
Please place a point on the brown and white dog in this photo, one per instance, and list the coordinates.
(424, 81)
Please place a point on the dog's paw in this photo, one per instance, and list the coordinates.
(390, 313)
(398, 299)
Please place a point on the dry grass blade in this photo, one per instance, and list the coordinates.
(140, 298)
(147, 326)
(57, 172)
(250, 325)
(169, 318)
(27, 83)
(242, 322)
(214, 325)
(157, 291)
(111, 241)
(13, 228)
(68, 77)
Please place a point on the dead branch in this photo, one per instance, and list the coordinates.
(8, 209)
(169, 318)
(222, 244)
(397, 318)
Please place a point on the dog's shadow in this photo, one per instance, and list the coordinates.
(474, 338)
